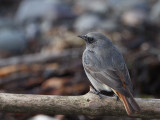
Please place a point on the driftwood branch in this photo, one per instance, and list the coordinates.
(88, 104)
(41, 57)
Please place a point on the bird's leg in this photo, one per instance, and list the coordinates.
(117, 98)
(94, 91)
(97, 93)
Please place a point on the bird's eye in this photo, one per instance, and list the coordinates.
(90, 39)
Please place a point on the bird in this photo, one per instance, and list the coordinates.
(105, 67)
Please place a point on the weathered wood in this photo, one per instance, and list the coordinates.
(88, 104)
(41, 57)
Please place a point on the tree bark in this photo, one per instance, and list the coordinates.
(88, 104)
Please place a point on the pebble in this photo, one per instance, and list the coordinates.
(12, 40)
(86, 23)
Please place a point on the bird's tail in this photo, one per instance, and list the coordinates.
(130, 104)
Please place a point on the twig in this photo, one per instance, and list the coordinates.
(41, 57)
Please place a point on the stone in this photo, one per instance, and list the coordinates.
(155, 13)
(87, 22)
(133, 17)
(12, 41)
(41, 10)
(96, 6)
(109, 25)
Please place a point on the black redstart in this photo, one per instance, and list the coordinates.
(106, 69)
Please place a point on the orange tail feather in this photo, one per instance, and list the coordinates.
(129, 103)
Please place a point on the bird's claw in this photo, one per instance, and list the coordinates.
(94, 91)
(117, 98)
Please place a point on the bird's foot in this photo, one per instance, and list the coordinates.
(117, 98)
(94, 91)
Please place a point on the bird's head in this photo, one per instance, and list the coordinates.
(95, 39)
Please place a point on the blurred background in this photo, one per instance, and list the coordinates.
(40, 52)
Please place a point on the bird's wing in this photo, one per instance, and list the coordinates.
(117, 79)
(108, 77)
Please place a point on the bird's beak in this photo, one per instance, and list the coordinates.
(83, 37)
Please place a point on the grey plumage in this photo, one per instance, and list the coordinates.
(105, 68)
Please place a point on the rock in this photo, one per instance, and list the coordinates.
(6, 23)
(155, 12)
(134, 17)
(119, 6)
(32, 30)
(59, 42)
(42, 10)
(109, 25)
(12, 41)
(42, 117)
(87, 22)
(96, 6)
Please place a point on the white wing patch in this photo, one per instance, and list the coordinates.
(107, 88)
